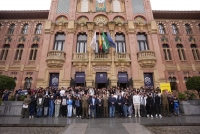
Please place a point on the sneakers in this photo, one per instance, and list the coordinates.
(135, 115)
(156, 116)
(160, 115)
(139, 116)
(29, 117)
(151, 116)
(147, 116)
(129, 116)
(77, 116)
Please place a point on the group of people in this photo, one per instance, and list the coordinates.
(88, 102)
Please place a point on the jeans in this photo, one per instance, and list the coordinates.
(39, 111)
(45, 111)
(130, 110)
(112, 111)
(69, 111)
(125, 108)
(51, 110)
(93, 110)
(32, 110)
(176, 110)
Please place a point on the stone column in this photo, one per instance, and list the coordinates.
(89, 79)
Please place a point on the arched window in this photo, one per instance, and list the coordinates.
(25, 29)
(195, 52)
(59, 41)
(175, 29)
(116, 6)
(33, 53)
(81, 46)
(84, 5)
(188, 29)
(19, 52)
(142, 42)
(166, 51)
(173, 83)
(161, 29)
(181, 51)
(38, 29)
(28, 82)
(4, 52)
(120, 43)
(11, 29)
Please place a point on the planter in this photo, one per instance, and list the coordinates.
(190, 107)
(11, 108)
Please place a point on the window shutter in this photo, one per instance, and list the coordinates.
(84, 6)
(116, 6)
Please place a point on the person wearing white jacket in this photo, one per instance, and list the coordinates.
(136, 103)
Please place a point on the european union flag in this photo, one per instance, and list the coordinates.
(110, 41)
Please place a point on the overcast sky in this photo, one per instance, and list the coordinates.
(45, 4)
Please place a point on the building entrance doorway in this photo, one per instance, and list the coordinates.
(101, 80)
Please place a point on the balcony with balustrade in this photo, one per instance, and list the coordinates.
(147, 58)
(101, 57)
(122, 57)
(80, 57)
(55, 58)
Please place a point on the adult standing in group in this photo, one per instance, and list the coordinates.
(25, 107)
(69, 107)
(51, 106)
(40, 101)
(136, 103)
(57, 106)
(158, 105)
(64, 106)
(78, 106)
(92, 103)
(112, 101)
(105, 105)
(165, 103)
(46, 105)
(120, 102)
(84, 102)
(99, 107)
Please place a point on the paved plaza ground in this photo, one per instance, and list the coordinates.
(165, 125)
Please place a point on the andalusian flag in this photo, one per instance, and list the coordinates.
(100, 42)
(106, 45)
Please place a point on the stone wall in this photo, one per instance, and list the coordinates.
(11, 108)
(190, 107)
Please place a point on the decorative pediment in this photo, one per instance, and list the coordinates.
(101, 20)
(164, 39)
(139, 20)
(8, 39)
(82, 20)
(36, 39)
(119, 20)
(61, 19)
(22, 39)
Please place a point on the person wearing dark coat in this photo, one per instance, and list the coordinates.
(150, 103)
(100, 103)
(158, 105)
(112, 103)
(46, 105)
(92, 103)
(120, 103)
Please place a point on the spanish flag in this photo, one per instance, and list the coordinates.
(100, 42)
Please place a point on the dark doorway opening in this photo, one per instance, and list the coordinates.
(101, 85)
(80, 84)
(123, 85)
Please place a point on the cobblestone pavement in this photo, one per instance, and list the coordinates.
(175, 129)
(30, 130)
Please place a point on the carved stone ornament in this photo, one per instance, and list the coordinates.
(61, 19)
(101, 20)
(147, 59)
(118, 20)
(101, 68)
(140, 20)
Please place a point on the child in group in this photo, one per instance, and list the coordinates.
(176, 106)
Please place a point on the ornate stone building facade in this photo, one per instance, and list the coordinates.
(52, 48)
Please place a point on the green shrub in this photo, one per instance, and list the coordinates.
(22, 97)
(181, 96)
(12, 98)
(7, 82)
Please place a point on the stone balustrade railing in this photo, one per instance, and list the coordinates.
(101, 56)
(147, 58)
(80, 56)
(122, 56)
(55, 58)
